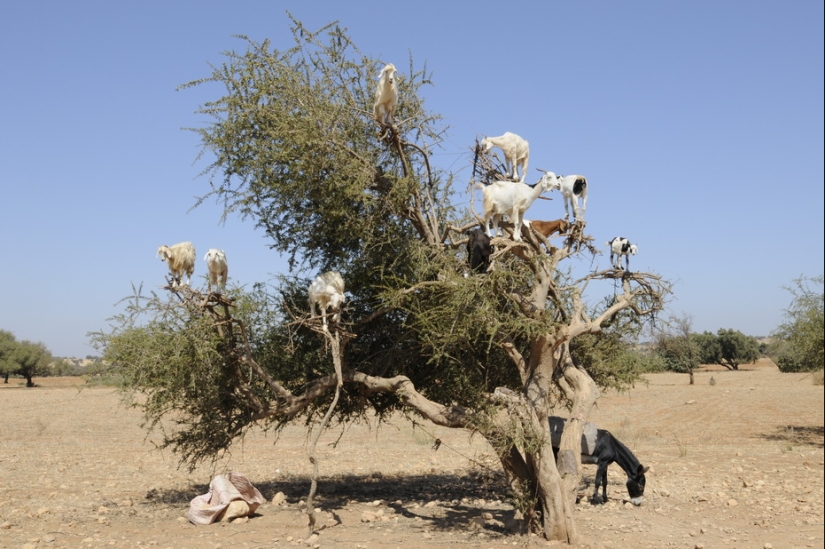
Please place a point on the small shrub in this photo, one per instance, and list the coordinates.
(819, 377)
(712, 380)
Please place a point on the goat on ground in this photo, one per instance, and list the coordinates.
(516, 152)
(572, 188)
(511, 199)
(619, 247)
(479, 250)
(327, 291)
(180, 259)
(599, 447)
(386, 96)
(218, 270)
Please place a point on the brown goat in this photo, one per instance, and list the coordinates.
(547, 228)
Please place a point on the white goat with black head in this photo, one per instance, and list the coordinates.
(511, 199)
(327, 291)
(180, 259)
(218, 270)
(386, 96)
(516, 152)
(619, 247)
(573, 187)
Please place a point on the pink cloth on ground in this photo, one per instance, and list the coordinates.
(223, 490)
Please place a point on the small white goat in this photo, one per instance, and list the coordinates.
(218, 269)
(181, 260)
(516, 152)
(386, 96)
(572, 188)
(619, 247)
(327, 291)
(511, 199)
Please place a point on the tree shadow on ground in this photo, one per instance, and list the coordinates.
(799, 435)
(457, 496)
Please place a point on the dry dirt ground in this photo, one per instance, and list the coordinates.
(737, 463)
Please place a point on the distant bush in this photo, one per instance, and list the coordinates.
(819, 377)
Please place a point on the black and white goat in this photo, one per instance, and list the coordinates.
(479, 250)
(573, 188)
(619, 247)
(599, 447)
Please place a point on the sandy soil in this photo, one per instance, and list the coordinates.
(737, 463)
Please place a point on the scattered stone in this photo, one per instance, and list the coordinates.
(691, 401)
(732, 502)
(312, 539)
(664, 493)
(42, 511)
(430, 504)
(102, 510)
(768, 545)
(278, 498)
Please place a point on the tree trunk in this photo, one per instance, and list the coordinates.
(690, 373)
(583, 392)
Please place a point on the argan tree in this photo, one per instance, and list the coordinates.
(677, 346)
(728, 348)
(800, 340)
(293, 146)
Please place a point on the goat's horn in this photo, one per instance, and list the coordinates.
(539, 169)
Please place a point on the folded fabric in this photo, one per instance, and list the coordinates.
(230, 496)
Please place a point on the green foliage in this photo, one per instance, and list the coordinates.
(23, 358)
(293, 145)
(728, 348)
(296, 148)
(799, 341)
(676, 347)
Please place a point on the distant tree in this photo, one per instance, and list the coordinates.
(32, 359)
(7, 345)
(676, 346)
(708, 346)
(735, 348)
(798, 345)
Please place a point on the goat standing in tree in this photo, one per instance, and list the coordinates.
(511, 199)
(386, 96)
(516, 152)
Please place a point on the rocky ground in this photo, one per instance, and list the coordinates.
(736, 462)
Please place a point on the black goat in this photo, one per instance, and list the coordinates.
(479, 250)
(599, 447)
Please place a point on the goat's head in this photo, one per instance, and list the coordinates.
(632, 250)
(388, 73)
(164, 252)
(549, 181)
(486, 145)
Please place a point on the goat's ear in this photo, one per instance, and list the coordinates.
(643, 470)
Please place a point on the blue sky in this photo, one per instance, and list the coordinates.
(699, 126)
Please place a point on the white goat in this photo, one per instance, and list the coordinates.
(619, 247)
(572, 188)
(511, 199)
(516, 152)
(327, 291)
(386, 96)
(218, 269)
(181, 260)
